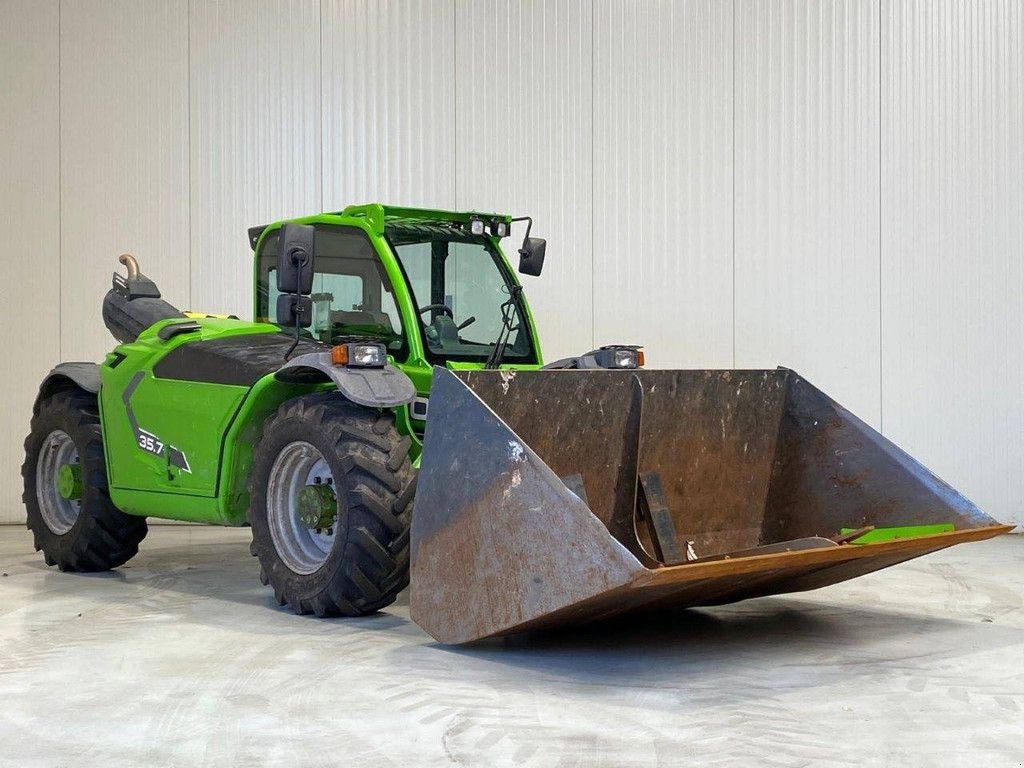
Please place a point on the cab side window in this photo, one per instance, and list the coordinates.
(352, 295)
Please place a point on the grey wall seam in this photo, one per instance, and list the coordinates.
(60, 194)
(455, 101)
(881, 269)
(733, 170)
(188, 135)
(593, 192)
(323, 163)
(320, 103)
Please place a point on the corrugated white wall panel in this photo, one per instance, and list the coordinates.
(254, 135)
(953, 243)
(524, 146)
(662, 171)
(388, 103)
(29, 212)
(124, 157)
(807, 182)
(613, 123)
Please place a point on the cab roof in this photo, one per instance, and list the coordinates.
(378, 217)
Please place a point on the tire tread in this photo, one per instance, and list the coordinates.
(103, 537)
(379, 486)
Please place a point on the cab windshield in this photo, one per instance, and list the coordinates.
(461, 288)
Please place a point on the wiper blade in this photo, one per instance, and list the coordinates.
(508, 313)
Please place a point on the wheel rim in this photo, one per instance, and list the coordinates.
(59, 513)
(303, 549)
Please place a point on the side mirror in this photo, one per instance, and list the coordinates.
(531, 256)
(294, 309)
(295, 259)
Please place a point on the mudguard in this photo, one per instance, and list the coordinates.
(385, 387)
(83, 375)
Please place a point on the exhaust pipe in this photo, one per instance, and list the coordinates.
(131, 265)
(133, 303)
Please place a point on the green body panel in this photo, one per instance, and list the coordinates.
(193, 417)
(230, 501)
(901, 532)
(189, 416)
(216, 426)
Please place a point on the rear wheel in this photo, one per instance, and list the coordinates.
(331, 499)
(70, 514)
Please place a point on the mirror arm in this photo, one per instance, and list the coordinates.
(526, 237)
(295, 342)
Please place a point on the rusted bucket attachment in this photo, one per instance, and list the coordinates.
(556, 497)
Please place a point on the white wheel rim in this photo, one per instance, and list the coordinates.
(302, 549)
(58, 513)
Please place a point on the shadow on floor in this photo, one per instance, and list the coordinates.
(757, 638)
(756, 633)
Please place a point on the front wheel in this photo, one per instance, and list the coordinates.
(331, 492)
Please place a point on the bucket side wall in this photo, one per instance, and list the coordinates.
(833, 471)
(497, 539)
(579, 423)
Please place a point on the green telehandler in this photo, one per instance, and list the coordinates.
(544, 494)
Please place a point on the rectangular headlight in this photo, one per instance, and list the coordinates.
(624, 358)
(618, 356)
(367, 355)
(359, 355)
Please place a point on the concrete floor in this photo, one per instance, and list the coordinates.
(181, 658)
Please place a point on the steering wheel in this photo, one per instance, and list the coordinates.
(442, 308)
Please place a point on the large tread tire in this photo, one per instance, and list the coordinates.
(102, 537)
(368, 564)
